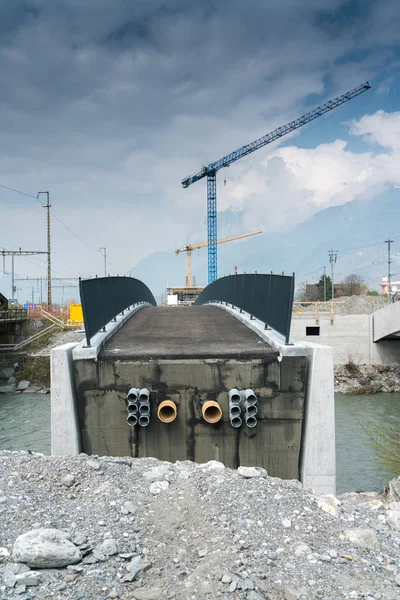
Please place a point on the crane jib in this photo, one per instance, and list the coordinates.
(227, 160)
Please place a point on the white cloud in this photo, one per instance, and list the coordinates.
(293, 183)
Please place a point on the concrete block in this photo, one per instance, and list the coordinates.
(318, 460)
(65, 436)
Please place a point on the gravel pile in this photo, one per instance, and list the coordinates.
(149, 530)
(348, 305)
(57, 339)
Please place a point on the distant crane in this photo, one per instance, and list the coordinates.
(188, 249)
(210, 171)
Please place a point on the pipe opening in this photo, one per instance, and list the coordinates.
(167, 411)
(250, 396)
(251, 421)
(144, 395)
(234, 410)
(211, 411)
(132, 408)
(234, 396)
(144, 409)
(251, 410)
(131, 420)
(133, 394)
(235, 422)
(144, 420)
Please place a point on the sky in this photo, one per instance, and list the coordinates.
(109, 105)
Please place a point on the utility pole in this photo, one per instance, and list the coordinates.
(324, 284)
(332, 259)
(47, 206)
(103, 252)
(389, 283)
(14, 253)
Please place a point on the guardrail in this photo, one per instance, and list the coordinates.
(13, 314)
(269, 298)
(314, 310)
(103, 298)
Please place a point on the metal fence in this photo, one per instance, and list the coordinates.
(266, 297)
(13, 314)
(103, 298)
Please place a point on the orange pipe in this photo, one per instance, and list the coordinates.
(211, 411)
(167, 411)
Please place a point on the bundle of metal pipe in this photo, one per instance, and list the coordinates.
(234, 408)
(250, 407)
(144, 407)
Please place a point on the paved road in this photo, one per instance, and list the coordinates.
(185, 332)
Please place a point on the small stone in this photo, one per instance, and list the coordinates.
(397, 579)
(158, 486)
(302, 549)
(226, 579)
(329, 504)
(79, 539)
(232, 586)
(202, 552)
(4, 553)
(286, 523)
(251, 472)
(393, 490)
(364, 538)
(128, 508)
(145, 593)
(393, 519)
(252, 595)
(93, 464)
(29, 578)
(68, 480)
(108, 548)
(113, 594)
(213, 465)
(157, 473)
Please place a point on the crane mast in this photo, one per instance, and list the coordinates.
(210, 171)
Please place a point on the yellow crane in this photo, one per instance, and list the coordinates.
(190, 247)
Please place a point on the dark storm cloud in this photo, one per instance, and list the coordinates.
(121, 99)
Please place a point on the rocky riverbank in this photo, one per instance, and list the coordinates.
(90, 528)
(366, 379)
(14, 378)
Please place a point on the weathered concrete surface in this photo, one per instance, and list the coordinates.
(351, 337)
(191, 355)
(386, 322)
(185, 332)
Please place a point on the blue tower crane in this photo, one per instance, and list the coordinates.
(210, 171)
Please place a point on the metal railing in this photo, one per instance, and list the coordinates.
(13, 314)
(103, 298)
(268, 298)
(314, 310)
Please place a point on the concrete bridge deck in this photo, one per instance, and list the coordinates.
(185, 332)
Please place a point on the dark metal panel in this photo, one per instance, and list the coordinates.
(266, 297)
(103, 298)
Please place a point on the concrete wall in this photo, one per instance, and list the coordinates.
(295, 436)
(387, 322)
(273, 444)
(350, 336)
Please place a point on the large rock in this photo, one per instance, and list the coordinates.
(6, 373)
(363, 538)
(8, 389)
(23, 385)
(250, 472)
(393, 490)
(45, 549)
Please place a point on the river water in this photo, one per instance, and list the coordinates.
(25, 425)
